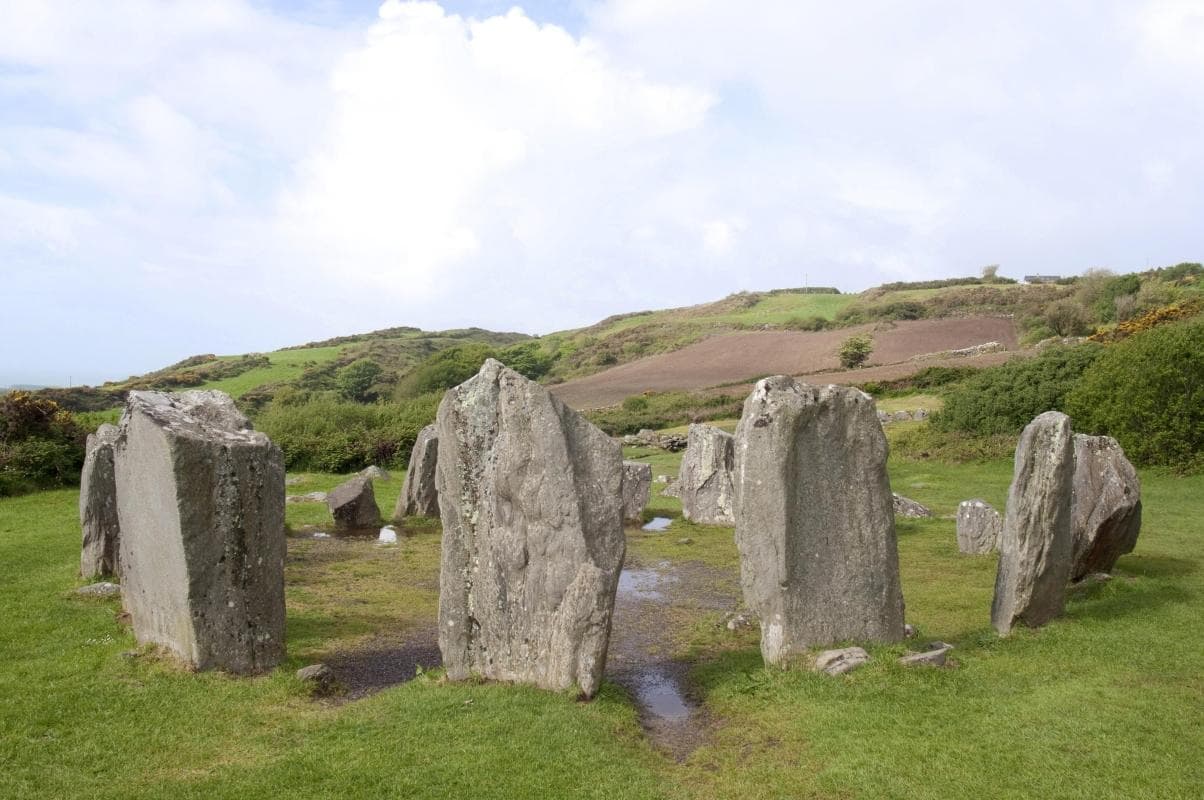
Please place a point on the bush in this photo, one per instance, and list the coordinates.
(855, 351)
(926, 379)
(1148, 393)
(41, 446)
(1068, 319)
(355, 380)
(340, 436)
(664, 410)
(1004, 399)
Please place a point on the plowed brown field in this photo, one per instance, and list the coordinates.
(742, 357)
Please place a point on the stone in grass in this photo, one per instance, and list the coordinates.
(978, 527)
(102, 589)
(319, 680)
(637, 488)
(838, 662)
(98, 507)
(200, 498)
(353, 505)
(310, 497)
(705, 480)
(1036, 548)
(419, 497)
(815, 523)
(685, 540)
(906, 507)
(533, 543)
(934, 655)
(374, 473)
(1105, 505)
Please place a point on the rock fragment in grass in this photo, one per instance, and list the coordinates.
(1036, 548)
(838, 662)
(934, 655)
(815, 523)
(309, 497)
(319, 680)
(419, 496)
(637, 488)
(906, 507)
(353, 505)
(98, 507)
(533, 542)
(978, 527)
(1105, 512)
(374, 472)
(705, 480)
(200, 498)
(102, 589)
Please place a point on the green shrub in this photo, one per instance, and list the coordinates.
(664, 410)
(1148, 393)
(355, 380)
(1005, 398)
(926, 379)
(855, 350)
(41, 445)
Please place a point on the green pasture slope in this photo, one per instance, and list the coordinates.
(1106, 702)
(286, 365)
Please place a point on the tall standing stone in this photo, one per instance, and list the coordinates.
(200, 500)
(419, 497)
(705, 480)
(1036, 546)
(978, 527)
(637, 488)
(529, 495)
(1105, 505)
(98, 507)
(815, 523)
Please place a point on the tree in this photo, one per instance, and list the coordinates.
(855, 350)
(355, 380)
(990, 273)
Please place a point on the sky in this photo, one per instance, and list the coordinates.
(237, 175)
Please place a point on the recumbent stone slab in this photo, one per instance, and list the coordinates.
(1105, 512)
(815, 523)
(533, 543)
(637, 488)
(978, 527)
(1036, 546)
(200, 500)
(419, 496)
(705, 479)
(98, 507)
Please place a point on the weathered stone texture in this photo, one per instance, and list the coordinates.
(98, 507)
(1036, 546)
(533, 537)
(978, 527)
(353, 505)
(637, 488)
(906, 507)
(815, 522)
(419, 497)
(1105, 505)
(705, 480)
(200, 499)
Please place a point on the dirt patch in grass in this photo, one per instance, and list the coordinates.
(386, 659)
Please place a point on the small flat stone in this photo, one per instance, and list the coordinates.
(103, 589)
(685, 540)
(319, 678)
(838, 662)
(934, 655)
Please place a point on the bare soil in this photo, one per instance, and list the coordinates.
(738, 358)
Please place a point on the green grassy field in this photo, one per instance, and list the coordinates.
(769, 310)
(287, 365)
(1106, 702)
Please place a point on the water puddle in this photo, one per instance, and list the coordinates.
(645, 584)
(658, 524)
(659, 695)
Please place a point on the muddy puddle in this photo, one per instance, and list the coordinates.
(657, 524)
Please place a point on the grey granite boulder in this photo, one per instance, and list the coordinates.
(98, 507)
(419, 497)
(104, 589)
(934, 655)
(200, 499)
(705, 480)
(815, 523)
(353, 505)
(1036, 546)
(1105, 515)
(906, 507)
(637, 488)
(533, 542)
(978, 527)
(838, 662)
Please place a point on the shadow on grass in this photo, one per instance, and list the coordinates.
(1156, 566)
(307, 630)
(1119, 598)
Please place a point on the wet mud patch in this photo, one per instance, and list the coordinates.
(384, 660)
(653, 600)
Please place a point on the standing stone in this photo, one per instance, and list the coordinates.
(978, 527)
(1105, 505)
(353, 505)
(637, 488)
(815, 522)
(530, 498)
(1036, 547)
(98, 507)
(419, 497)
(200, 499)
(705, 480)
